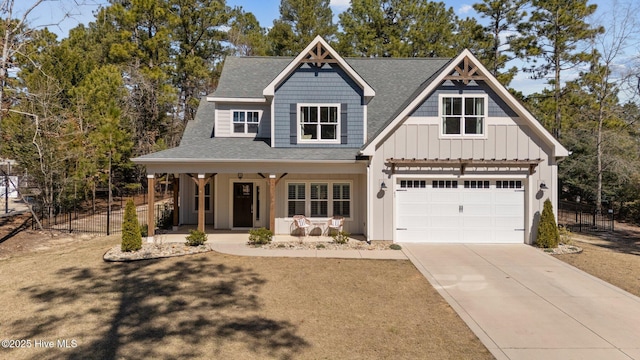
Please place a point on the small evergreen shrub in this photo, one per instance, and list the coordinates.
(196, 238)
(566, 237)
(144, 230)
(395, 247)
(341, 237)
(260, 236)
(548, 235)
(131, 237)
(320, 246)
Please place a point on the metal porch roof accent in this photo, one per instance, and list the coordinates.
(531, 164)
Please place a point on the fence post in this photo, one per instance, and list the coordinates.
(108, 219)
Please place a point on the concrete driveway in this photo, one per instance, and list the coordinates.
(525, 304)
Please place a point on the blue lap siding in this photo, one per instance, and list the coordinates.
(328, 85)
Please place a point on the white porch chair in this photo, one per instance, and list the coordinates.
(302, 223)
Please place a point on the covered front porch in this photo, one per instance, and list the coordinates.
(217, 201)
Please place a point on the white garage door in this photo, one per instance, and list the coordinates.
(460, 211)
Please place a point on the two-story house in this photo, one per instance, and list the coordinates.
(409, 150)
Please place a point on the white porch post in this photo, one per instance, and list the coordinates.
(272, 202)
(151, 217)
(201, 211)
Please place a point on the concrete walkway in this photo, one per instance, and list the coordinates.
(235, 243)
(525, 304)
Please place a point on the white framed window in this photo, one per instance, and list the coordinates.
(207, 197)
(319, 123)
(319, 199)
(463, 115)
(245, 122)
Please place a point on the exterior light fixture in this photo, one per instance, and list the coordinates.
(543, 186)
(240, 175)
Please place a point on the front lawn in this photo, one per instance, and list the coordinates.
(226, 307)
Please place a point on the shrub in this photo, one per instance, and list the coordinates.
(565, 235)
(131, 237)
(196, 238)
(260, 236)
(395, 247)
(144, 230)
(548, 236)
(341, 237)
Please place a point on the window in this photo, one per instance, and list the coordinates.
(341, 200)
(296, 199)
(444, 184)
(476, 184)
(319, 123)
(207, 197)
(463, 115)
(509, 184)
(319, 199)
(406, 184)
(245, 122)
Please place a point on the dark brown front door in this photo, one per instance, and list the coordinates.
(242, 204)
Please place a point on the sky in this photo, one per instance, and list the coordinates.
(74, 12)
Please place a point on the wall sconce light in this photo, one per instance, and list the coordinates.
(240, 175)
(383, 186)
(543, 186)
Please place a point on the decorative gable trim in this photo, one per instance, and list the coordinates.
(318, 53)
(465, 67)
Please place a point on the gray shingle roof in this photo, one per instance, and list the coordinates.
(246, 149)
(396, 82)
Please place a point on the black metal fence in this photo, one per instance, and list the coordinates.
(105, 222)
(583, 217)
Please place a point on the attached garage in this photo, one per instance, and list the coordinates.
(460, 211)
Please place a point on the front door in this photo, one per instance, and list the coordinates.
(242, 204)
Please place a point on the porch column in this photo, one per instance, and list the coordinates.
(201, 202)
(176, 206)
(272, 202)
(151, 216)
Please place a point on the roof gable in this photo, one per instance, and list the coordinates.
(465, 68)
(318, 53)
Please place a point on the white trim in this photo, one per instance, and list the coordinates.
(273, 124)
(364, 126)
(236, 100)
(369, 202)
(269, 91)
(232, 132)
(338, 125)
(462, 134)
(558, 149)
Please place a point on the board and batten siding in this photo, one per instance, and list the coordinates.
(224, 119)
(328, 85)
(507, 137)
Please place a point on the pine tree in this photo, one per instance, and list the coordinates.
(131, 238)
(548, 235)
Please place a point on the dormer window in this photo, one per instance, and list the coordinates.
(319, 123)
(463, 115)
(246, 122)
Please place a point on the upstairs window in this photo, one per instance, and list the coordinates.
(245, 122)
(319, 123)
(463, 115)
